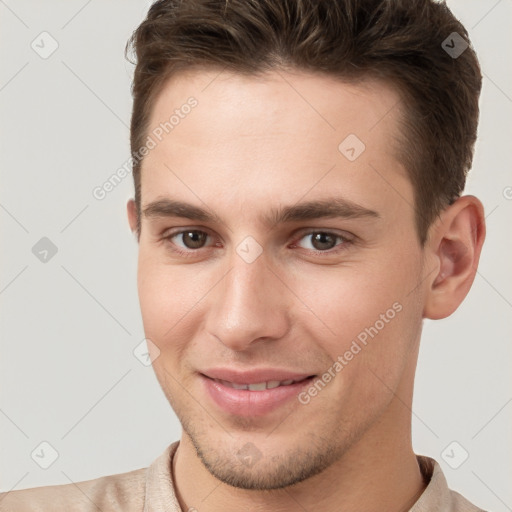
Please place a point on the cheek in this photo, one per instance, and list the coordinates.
(376, 322)
(374, 304)
(172, 299)
(166, 295)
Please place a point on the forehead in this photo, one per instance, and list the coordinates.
(275, 135)
(279, 98)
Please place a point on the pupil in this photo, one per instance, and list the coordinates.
(320, 237)
(197, 239)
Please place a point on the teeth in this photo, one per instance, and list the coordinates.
(259, 386)
(238, 386)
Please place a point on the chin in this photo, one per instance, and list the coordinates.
(248, 467)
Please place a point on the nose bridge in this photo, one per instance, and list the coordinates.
(248, 304)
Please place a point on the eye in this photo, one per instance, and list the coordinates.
(187, 240)
(323, 241)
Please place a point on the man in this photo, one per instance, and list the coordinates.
(298, 169)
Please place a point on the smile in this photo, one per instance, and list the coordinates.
(259, 386)
(250, 396)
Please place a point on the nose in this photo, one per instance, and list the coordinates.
(251, 304)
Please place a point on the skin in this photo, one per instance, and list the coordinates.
(251, 145)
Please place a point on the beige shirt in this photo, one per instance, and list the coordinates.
(152, 490)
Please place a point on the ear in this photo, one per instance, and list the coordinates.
(453, 250)
(131, 209)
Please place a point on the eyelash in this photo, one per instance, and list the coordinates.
(345, 241)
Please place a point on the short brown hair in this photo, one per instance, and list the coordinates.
(398, 41)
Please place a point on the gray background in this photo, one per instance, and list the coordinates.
(68, 375)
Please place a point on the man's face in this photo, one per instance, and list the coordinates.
(259, 298)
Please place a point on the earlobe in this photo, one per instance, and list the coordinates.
(456, 245)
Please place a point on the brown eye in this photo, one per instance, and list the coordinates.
(323, 241)
(192, 239)
(187, 243)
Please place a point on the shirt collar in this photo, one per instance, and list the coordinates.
(437, 495)
(160, 496)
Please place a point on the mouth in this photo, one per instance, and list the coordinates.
(261, 386)
(253, 394)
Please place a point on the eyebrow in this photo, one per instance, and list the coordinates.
(324, 208)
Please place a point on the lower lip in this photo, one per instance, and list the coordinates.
(243, 402)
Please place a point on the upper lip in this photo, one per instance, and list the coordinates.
(254, 376)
